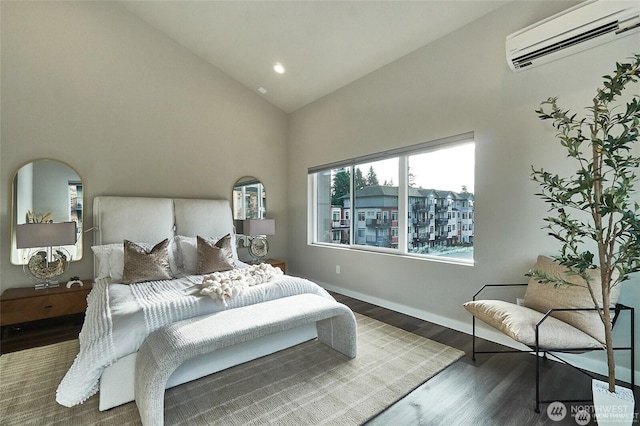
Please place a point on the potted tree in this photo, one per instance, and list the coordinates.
(597, 207)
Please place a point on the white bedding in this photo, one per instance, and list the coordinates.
(118, 320)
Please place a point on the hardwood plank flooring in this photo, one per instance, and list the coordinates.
(496, 389)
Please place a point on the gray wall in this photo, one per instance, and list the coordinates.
(133, 112)
(136, 114)
(457, 84)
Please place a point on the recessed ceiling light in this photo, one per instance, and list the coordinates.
(279, 68)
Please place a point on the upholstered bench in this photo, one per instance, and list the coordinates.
(167, 348)
(554, 318)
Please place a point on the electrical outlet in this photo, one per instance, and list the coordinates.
(337, 269)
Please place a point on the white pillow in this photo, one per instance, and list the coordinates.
(188, 251)
(107, 258)
(110, 259)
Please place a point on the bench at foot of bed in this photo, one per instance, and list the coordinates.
(167, 348)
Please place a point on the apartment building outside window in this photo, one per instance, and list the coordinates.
(414, 201)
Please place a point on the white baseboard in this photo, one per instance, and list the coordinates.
(596, 366)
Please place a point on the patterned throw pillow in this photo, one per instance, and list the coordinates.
(142, 265)
(214, 256)
(109, 259)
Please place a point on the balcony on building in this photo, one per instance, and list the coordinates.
(378, 223)
(342, 223)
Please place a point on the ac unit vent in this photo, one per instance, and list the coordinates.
(524, 60)
(579, 28)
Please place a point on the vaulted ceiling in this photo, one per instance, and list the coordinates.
(323, 45)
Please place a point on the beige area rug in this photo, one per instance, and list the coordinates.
(309, 384)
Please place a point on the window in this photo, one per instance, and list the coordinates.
(324, 200)
(430, 184)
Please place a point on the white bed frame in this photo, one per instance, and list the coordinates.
(154, 219)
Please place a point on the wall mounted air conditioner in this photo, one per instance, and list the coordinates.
(579, 28)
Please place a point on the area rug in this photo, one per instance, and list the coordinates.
(309, 384)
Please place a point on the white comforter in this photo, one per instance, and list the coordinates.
(119, 317)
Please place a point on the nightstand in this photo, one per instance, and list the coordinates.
(277, 264)
(25, 304)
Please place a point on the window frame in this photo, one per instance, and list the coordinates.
(403, 212)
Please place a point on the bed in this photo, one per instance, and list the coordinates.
(119, 316)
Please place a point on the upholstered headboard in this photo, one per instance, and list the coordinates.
(146, 219)
(150, 220)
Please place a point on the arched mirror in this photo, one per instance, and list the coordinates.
(249, 202)
(46, 191)
(249, 199)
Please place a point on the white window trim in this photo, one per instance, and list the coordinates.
(402, 154)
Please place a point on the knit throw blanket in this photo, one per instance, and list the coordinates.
(162, 303)
(222, 286)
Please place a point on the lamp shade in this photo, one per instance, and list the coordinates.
(30, 235)
(259, 227)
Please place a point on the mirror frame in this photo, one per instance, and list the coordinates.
(13, 250)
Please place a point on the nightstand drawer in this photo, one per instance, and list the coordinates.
(24, 305)
(35, 308)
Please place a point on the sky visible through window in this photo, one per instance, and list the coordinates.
(444, 169)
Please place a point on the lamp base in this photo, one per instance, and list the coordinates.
(43, 267)
(258, 248)
(47, 284)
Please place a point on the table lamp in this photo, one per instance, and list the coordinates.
(45, 263)
(257, 230)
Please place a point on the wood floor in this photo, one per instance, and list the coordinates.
(496, 389)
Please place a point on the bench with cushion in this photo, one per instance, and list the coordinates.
(167, 348)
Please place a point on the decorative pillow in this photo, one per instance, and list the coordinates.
(542, 297)
(189, 251)
(142, 265)
(519, 323)
(110, 259)
(214, 256)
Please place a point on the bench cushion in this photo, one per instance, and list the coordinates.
(542, 297)
(519, 323)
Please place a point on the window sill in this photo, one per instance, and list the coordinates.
(391, 252)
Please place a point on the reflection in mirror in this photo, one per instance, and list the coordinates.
(249, 199)
(46, 191)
